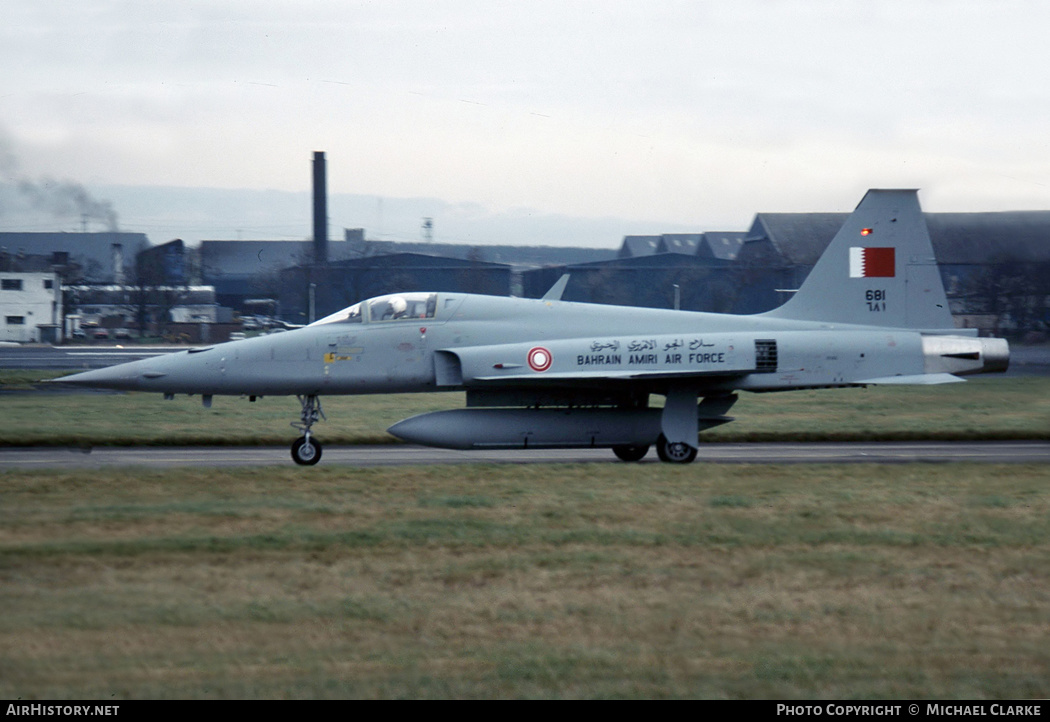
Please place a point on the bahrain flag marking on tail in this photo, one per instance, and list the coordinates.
(872, 262)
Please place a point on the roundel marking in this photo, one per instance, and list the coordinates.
(539, 359)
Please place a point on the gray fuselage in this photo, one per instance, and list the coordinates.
(482, 335)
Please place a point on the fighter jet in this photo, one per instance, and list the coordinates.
(545, 373)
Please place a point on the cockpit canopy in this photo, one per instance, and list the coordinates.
(394, 307)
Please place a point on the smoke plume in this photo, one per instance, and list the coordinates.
(59, 199)
(63, 199)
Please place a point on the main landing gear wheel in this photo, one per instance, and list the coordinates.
(676, 453)
(631, 452)
(306, 451)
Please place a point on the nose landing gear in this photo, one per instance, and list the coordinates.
(306, 451)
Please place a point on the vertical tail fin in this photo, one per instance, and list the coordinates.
(879, 270)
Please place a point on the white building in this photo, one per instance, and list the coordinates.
(30, 307)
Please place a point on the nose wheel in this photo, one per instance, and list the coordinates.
(306, 451)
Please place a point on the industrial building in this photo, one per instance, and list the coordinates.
(86, 257)
(724, 245)
(30, 307)
(662, 280)
(241, 270)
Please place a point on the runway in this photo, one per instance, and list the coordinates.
(403, 455)
(76, 358)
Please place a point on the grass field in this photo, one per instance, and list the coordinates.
(912, 581)
(984, 408)
(807, 581)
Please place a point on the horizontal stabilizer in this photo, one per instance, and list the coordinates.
(914, 380)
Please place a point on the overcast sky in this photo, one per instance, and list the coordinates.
(683, 114)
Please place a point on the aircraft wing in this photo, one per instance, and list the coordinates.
(912, 380)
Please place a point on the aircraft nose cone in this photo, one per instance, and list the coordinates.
(114, 377)
(123, 377)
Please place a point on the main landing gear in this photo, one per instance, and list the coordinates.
(306, 451)
(675, 453)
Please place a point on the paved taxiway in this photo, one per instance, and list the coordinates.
(76, 358)
(395, 455)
